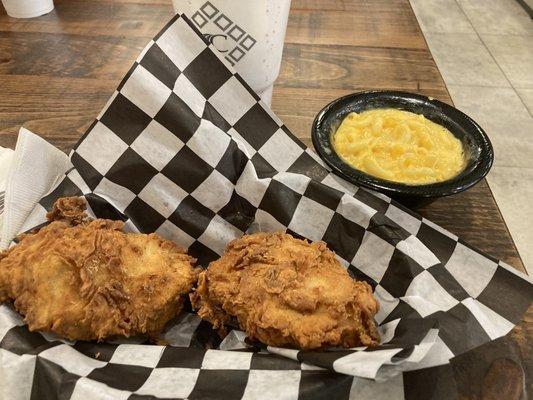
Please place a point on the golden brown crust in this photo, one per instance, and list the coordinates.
(71, 209)
(91, 281)
(287, 292)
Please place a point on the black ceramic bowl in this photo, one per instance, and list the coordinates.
(475, 142)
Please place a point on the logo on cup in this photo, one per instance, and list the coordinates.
(218, 40)
(234, 40)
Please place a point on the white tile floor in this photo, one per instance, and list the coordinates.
(484, 50)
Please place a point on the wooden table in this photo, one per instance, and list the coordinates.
(57, 72)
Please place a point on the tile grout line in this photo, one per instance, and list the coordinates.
(522, 100)
(483, 43)
(490, 34)
(527, 109)
(448, 84)
(492, 56)
(513, 88)
(513, 167)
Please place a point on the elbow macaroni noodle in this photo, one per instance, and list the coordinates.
(399, 146)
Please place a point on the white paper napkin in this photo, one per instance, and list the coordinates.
(6, 157)
(30, 172)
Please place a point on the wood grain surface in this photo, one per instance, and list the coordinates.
(57, 71)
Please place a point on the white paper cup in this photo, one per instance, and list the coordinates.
(249, 34)
(27, 8)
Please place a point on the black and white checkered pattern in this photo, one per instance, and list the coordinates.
(186, 149)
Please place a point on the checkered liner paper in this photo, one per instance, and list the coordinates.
(186, 149)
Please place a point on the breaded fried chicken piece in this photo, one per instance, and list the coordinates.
(287, 292)
(88, 280)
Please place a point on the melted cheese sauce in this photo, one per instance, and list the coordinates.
(399, 146)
